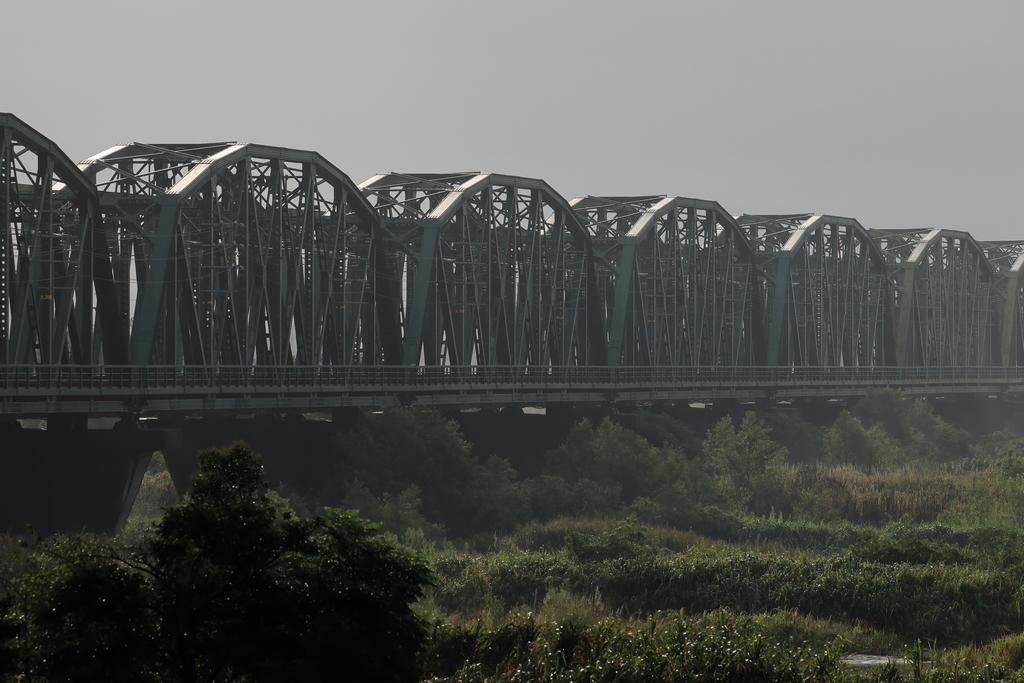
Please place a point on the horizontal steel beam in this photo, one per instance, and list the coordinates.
(43, 390)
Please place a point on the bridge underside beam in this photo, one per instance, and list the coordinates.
(309, 389)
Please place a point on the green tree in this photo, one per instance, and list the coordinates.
(801, 438)
(846, 442)
(398, 448)
(922, 435)
(662, 429)
(744, 459)
(229, 588)
(395, 514)
(625, 539)
(991, 446)
(888, 409)
(612, 456)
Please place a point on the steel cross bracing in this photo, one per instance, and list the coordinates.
(946, 301)
(235, 254)
(237, 277)
(51, 270)
(1007, 257)
(828, 300)
(679, 281)
(492, 270)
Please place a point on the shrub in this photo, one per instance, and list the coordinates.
(626, 539)
(744, 459)
(229, 587)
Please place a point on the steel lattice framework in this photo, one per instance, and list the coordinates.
(51, 269)
(235, 254)
(493, 270)
(828, 300)
(679, 279)
(946, 301)
(1007, 258)
(241, 277)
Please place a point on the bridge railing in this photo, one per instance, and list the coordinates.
(139, 380)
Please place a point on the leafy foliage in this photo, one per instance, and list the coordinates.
(229, 588)
(846, 442)
(954, 603)
(912, 424)
(745, 459)
(395, 514)
(626, 539)
(802, 440)
(610, 466)
(392, 451)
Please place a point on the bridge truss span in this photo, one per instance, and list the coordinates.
(52, 269)
(947, 301)
(235, 254)
(1007, 259)
(492, 270)
(153, 268)
(828, 300)
(679, 279)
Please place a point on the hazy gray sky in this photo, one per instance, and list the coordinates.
(901, 114)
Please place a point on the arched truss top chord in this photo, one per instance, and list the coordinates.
(237, 253)
(1007, 259)
(438, 196)
(679, 279)
(828, 300)
(946, 300)
(491, 269)
(51, 270)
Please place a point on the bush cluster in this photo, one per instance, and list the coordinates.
(888, 459)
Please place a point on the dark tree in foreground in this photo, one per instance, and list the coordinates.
(229, 588)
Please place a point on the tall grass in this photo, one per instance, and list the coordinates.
(951, 604)
(835, 494)
(669, 646)
(156, 494)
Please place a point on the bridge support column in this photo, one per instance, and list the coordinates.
(71, 479)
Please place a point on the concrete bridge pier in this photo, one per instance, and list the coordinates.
(69, 478)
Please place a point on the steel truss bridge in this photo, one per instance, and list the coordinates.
(235, 277)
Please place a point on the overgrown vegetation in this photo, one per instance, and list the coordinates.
(758, 546)
(227, 586)
(886, 528)
(888, 459)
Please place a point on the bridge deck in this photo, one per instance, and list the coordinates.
(38, 390)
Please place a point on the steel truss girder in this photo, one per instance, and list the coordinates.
(242, 254)
(1007, 259)
(52, 267)
(828, 301)
(492, 270)
(680, 281)
(946, 299)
